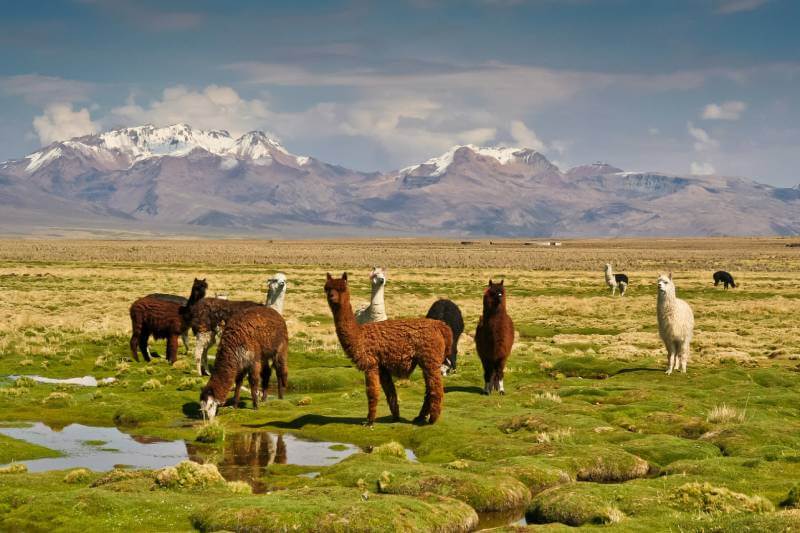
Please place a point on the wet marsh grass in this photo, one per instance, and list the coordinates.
(588, 406)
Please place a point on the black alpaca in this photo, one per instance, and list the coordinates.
(449, 313)
(723, 277)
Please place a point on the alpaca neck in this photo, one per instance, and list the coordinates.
(275, 301)
(666, 301)
(490, 310)
(347, 329)
(610, 276)
(376, 305)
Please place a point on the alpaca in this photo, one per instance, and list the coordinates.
(391, 348)
(494, 337)
(723, 277)
(252, 339)
(616, 280)
(675, 324)
(163, 319)
(276, 291)
(206, 320)
(449, 313)
(375, 311)
(179, 300)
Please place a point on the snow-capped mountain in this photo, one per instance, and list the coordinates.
(180, 178)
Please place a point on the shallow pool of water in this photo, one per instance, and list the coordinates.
(85, 381)
(96, 448)
(512, 517)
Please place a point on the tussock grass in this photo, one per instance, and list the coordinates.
(723, 414)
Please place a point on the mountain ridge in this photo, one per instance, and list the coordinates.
(179, 176)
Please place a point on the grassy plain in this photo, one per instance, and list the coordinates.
(591, 431)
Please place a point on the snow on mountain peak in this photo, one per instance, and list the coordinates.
(502, 154)
(127, 146)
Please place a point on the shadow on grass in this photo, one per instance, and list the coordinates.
(471, 389)
(322, 420)
(637, 369)
(192, 410)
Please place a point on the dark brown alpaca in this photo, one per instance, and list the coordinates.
(163, 319)
(252, 339)
(494, 337)
(391, 348)
(206, 318)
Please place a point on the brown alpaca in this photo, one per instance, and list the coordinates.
(206, 318)
(252, 339)
(391, 348)
(494, 337)
(163, 319)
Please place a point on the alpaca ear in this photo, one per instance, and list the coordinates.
(329, 276)
(501, 282)
(490, 282)
(670, 275)
(344, 276)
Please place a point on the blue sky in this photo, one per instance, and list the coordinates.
(682, 86)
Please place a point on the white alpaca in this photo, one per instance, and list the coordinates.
(615, 281)
(675, 324)
(375, 311)
(276, 292)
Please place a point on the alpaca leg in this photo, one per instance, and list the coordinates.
(685, 354)
(487, 378)
(172, 349)
(266, 374)
(237, 392)
(202, 341)
(498, 377)
(391, 394)
(671, 358)
(254, 380)
(454, 355)
(211, 341)
(185, 340)
(613, 290)
(373, 385)
(282, 368)
(434, 393)
(143, 338)
(134, 344)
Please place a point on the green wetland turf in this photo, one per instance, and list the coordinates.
(591, 433)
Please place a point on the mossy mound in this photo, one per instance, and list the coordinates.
(604, 464)
(532, 471)
(665, 449)
(119, 474)
(189, 475)
(211, 433)
(793, 498)
(335, 509)
(707, 498)
(394, 475)
(132, 416)
(572, 508)
(392, 449)
(14, 468)
(79, 475)
(239, 487)
(59, 400)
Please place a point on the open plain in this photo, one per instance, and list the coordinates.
(590, 432)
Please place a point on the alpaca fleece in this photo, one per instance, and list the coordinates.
(675, 324)
(206, 318)
(177, 299)
(723, 277)
(376, 310)
(253, 341)
(449, 313)
(494, 337)
(163, 319)
(391, 348)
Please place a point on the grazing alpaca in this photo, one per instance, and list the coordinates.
(179, 300)
(616, 280)
(163, 319)
(723, 277)
(376, 310)
(276, 291)
(449, 313)
(391, 348)
(675, 324)
(494, 337)
(252, 339)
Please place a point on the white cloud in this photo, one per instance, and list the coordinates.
(701, 169)
(730, 110)
(727, 7)
(60, 122)
(525, 136)
(215, 107)
(703, 142)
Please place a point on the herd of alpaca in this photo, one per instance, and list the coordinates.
(254, 339)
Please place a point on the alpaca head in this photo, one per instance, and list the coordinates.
(608, 267)
(665, 284)
(208, 404)
(377, 277)
(336, 289)
(199, 288)
(276, 285)
(494, 297)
